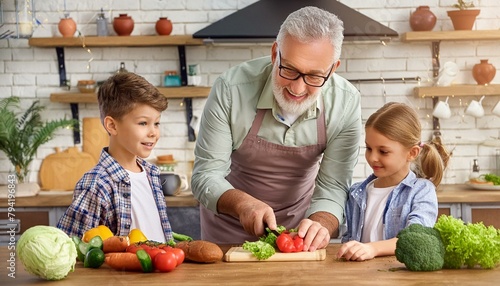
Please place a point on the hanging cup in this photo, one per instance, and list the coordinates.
(475, 108)
(442, 110)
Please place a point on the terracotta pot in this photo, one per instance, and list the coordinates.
(463, 19)
(67, 27)
(422, 19)
(483, 72)
(123, 25)
(163, 26)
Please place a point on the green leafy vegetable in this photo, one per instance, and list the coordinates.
(468, 244)
(492, 178)
(47, 252)
(262, 250)
(270, 237)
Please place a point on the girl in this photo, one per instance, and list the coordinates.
(394, 196)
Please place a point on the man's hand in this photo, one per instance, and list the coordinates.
(315, 235)
(251, 212)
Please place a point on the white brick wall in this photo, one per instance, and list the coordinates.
(32, 72)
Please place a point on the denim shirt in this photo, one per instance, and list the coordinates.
(413, 200)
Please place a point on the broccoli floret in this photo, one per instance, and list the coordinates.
(420, 248)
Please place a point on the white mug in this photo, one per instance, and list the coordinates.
(496, 109)
(475, 108)
(442, 110)
(447, 74)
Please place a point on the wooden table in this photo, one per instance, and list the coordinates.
(378, 271)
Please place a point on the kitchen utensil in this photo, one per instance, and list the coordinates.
(475, 108)
(173, 183)
(95, 137)
(238, 254)
(442, 110)
(496, 109)
(62, 170)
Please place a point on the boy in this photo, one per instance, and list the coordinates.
(123, 191)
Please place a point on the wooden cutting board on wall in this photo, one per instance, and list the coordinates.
(95, 137)
(62, 170)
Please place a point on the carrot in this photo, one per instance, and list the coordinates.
(125, 261)
(115, 244)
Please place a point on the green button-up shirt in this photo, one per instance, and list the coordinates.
(228, 115)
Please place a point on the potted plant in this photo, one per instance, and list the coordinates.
(22, 133)
(463, 18)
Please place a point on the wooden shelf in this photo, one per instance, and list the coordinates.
(458, 90)
(116, 41)
(436, 36)
(169, 92)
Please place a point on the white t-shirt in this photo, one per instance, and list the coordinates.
(376, 199)
(144, 211)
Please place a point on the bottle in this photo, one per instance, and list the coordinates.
(475, 170)
(102, 24)
(122, 68)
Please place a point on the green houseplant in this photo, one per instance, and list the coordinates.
(22, 132)
(464, 17)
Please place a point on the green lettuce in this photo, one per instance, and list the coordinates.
(471, 244)
(47, 252)
(262, 250)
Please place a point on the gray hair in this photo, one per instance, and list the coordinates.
(312, 23)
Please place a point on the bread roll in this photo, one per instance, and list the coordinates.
(201, 251)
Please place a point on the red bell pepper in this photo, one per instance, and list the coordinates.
(286, 243)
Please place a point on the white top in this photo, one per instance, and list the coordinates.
(376, 199)
(144, 211)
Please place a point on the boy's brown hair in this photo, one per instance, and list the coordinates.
(120, 93)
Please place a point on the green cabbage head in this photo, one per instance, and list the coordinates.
(47, 252)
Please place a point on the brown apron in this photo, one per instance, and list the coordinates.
(281, 176)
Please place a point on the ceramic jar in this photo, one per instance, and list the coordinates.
(163, 26)
(422, 19)
(67, 27)
(123, 25)
(483, 72)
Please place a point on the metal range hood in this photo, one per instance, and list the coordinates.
(260, 22)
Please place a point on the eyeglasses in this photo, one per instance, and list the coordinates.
(309, 79)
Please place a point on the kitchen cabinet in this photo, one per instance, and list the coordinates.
(181, 41)
(26, 217)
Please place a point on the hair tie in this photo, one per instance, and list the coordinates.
(421, 144)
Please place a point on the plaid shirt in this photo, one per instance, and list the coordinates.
(103, 197)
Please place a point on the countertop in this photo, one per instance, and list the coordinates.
(379, 271)
(64, 199)
(459, 193)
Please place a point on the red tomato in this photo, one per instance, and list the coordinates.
(285, 243)
(165, 262)
(153, 252)
(133, 248)
(179, 255)
(167, 248)
(298, 242)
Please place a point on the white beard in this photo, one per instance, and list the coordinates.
(291, 107)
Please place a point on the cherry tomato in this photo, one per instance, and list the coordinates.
(179, 255)
(154, 251)
(133, 248)
(167, 247)
(285, 243)
(165, 262)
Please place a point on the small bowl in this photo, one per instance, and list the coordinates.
(86, 86)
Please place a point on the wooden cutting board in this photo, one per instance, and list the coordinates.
(62, 170)
(94, 136)
(238, 254)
